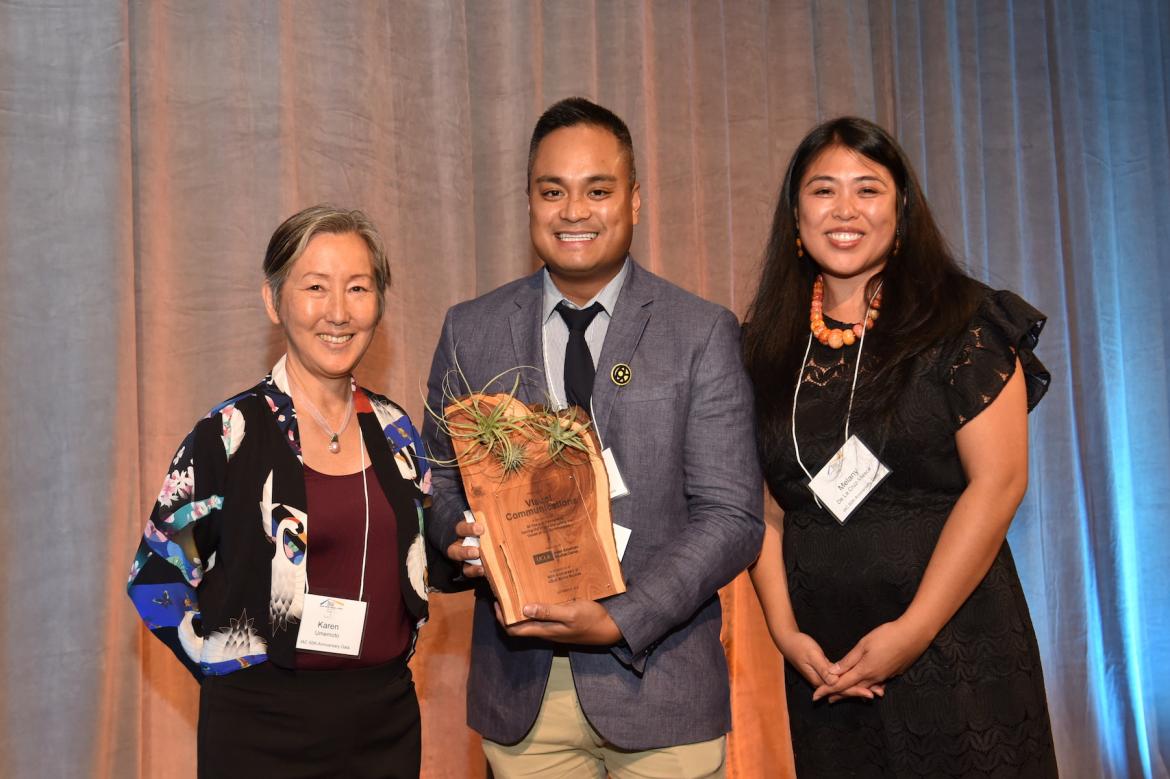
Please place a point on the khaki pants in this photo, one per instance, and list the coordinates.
(562, 743)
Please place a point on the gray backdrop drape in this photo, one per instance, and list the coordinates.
(148, 149)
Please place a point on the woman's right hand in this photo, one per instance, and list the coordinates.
(799, 649)
(805, 655)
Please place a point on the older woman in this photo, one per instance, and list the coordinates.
(302, 656)
(896, 446)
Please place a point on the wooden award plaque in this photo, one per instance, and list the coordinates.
(548, 535)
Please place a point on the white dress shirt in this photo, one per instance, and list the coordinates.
(555, 332)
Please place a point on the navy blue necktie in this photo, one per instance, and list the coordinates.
(579, 370)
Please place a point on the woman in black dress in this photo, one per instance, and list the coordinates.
(891, 591)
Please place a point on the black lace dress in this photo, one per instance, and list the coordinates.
(974, 703)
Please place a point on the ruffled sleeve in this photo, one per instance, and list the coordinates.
(1004, 328)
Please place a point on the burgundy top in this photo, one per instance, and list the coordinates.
(337, 512)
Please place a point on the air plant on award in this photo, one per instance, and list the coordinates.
(535, 477)
(499, 428)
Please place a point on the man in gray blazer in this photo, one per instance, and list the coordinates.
(635, 685)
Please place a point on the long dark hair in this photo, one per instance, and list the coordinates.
(926, 297)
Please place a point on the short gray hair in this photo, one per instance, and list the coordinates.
(291, 239)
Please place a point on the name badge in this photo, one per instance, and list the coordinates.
(848, 478)
(617, 485)
(332, 626)
(621, 537)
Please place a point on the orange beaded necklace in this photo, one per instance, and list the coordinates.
(831, 336)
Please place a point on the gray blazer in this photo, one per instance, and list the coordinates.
(682, 433)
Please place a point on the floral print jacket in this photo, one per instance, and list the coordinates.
(220, 573)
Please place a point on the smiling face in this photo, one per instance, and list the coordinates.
(582, 208)
(328, 307)
(847, 213)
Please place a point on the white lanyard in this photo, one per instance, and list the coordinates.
(852, 388)
(552, 393)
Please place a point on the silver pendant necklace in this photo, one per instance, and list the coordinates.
(334, 435)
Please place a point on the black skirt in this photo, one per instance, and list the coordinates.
(269, 721)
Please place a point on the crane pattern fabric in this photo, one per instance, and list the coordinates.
(235, 492)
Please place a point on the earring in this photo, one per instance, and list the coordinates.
(897, 241)
(799, 247)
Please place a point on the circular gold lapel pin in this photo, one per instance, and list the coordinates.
(621, 374)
